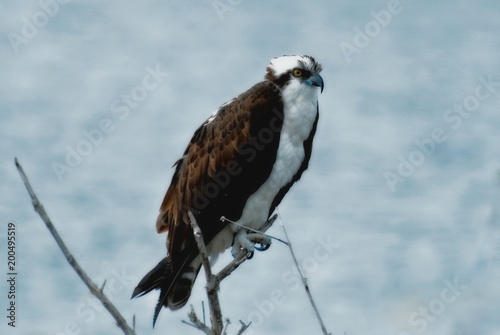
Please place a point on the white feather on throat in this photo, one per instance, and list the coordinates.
(300, 110)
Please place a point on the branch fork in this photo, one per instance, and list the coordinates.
(213, 285)
(213, 280)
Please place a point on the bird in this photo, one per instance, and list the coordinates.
(239, 164)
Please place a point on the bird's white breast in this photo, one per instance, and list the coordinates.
(300, 110)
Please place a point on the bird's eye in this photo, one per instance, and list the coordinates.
(297, 73)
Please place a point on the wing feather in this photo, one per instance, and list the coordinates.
(215, 143)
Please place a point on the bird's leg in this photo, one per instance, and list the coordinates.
(246, 239)
(260, 242)
(249, 241)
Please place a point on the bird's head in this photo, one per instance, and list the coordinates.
(295, 70)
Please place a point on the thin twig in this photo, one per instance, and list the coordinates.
(242, 255)
(228, 269)
(243, 327)
(304, 281)
(103, 284)
(203, 311)
(94, 289)
(226, 326)
(196, 322)
(260, 231)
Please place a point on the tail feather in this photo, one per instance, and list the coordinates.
(153, 279)
(159, 305)
(175, 287)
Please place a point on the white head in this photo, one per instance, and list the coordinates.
(295, 69)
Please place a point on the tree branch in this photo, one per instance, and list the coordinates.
(228, 269)
(243, 327)
(212, 284)
(304, 282)
(94, 289)
(213, 281)
(196, 323)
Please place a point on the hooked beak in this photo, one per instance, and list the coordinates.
(315, 80)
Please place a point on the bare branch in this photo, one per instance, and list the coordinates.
(243, 327)
(228, 269)
(203, 311)
(196, 322)
(103, 284)
(94, 289)
(226, 326)
(212, 284)
(260, 231)
(213, 281)
(304, 282)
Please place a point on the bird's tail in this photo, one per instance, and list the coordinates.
(175, 287)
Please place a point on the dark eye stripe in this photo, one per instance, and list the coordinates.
(282, 79)
(306, 73)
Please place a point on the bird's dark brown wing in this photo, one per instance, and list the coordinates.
(227, 159)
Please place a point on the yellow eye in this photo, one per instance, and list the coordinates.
(297, 73)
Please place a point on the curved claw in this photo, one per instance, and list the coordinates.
(250, 242)
(262, 246)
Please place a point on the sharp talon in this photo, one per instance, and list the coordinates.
(262, 246)
(249, 242)
(261, 242)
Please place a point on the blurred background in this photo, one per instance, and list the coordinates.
(395, 223)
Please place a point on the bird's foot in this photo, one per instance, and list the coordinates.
(249, 242)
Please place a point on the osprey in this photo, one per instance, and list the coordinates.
(239, 164)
